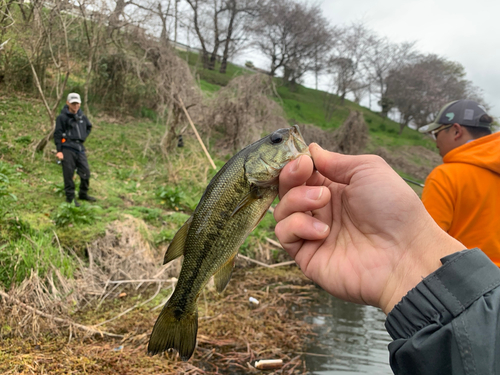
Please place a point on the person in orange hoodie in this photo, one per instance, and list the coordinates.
(463, 194)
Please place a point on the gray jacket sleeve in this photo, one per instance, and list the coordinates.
(450, 322)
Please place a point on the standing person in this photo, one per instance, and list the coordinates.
(72, 129)
(360, 232)
(463, 193)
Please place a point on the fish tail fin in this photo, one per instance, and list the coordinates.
(174, 330)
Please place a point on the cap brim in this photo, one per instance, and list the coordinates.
(75, 101)
(429, 127)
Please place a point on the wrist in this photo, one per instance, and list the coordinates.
(418, 262)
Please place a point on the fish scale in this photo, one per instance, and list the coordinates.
(231, 207)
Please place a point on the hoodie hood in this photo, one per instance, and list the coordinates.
(65, 111)
(483, 152)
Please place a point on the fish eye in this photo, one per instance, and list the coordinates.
(276, 138)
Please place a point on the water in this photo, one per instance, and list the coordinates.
(351, 339)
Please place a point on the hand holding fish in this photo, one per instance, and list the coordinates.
(356, 228)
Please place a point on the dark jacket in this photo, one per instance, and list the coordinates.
(73, 128)
(450, 322)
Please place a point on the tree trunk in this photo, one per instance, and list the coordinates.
(403, 125)
(342, 98)
(225, 56)
(204, 52)
(213, 57)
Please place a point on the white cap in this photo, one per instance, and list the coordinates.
(74, 98)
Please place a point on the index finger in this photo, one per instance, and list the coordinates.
(295, 173)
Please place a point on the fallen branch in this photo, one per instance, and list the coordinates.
(172, 279)
(273, 242)
(58, 320)
(287, 263)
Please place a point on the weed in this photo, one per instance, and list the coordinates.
(58, 189)
(124, 173)
(68, 213)
(150, 215)
(171, 196)
(165, 235)
(25, 139)
(10, 170)
(6, 197)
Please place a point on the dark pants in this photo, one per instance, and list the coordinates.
(75, 160)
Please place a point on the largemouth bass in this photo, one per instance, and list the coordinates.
(232, 205)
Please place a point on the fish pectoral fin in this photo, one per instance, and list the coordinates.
(176, 247)
(258, 221)
(223, 275)
(248, 199)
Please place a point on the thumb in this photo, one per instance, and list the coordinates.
(341, 168)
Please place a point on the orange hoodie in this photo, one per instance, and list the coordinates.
(463, 195)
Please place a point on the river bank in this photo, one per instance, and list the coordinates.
(233, 333)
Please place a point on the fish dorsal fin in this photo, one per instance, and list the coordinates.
(248, 199)
(223, 275)
(176, 247)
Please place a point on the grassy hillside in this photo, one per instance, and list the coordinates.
(129, 175)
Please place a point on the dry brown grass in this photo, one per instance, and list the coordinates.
(350, 138)
(242, 111)
(232, 335)
(401, 160)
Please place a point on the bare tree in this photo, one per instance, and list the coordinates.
(381, 58)
(93, 31)
(220, 24)
(6, 17)
(6, 22)
(420, 89)
(292, 36)
(239, 15)
(200, 9)
(114, 20)
(314, 38)
(45, 34)
(346, 64)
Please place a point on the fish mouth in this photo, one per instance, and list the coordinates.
(297, 144)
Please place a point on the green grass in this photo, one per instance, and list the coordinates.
(211, 76)
(33, 252)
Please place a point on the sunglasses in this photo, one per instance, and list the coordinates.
(433, 133)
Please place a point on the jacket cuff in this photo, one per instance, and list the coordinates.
(462, 279)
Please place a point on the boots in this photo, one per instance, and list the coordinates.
(87, 198)
(77, 204)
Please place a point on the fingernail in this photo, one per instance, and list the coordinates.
(320, 226)
(315, 145)
(315, 193)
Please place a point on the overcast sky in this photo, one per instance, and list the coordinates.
(467, 32)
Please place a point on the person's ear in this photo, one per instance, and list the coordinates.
(458, 131)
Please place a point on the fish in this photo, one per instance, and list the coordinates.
(234, 202)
